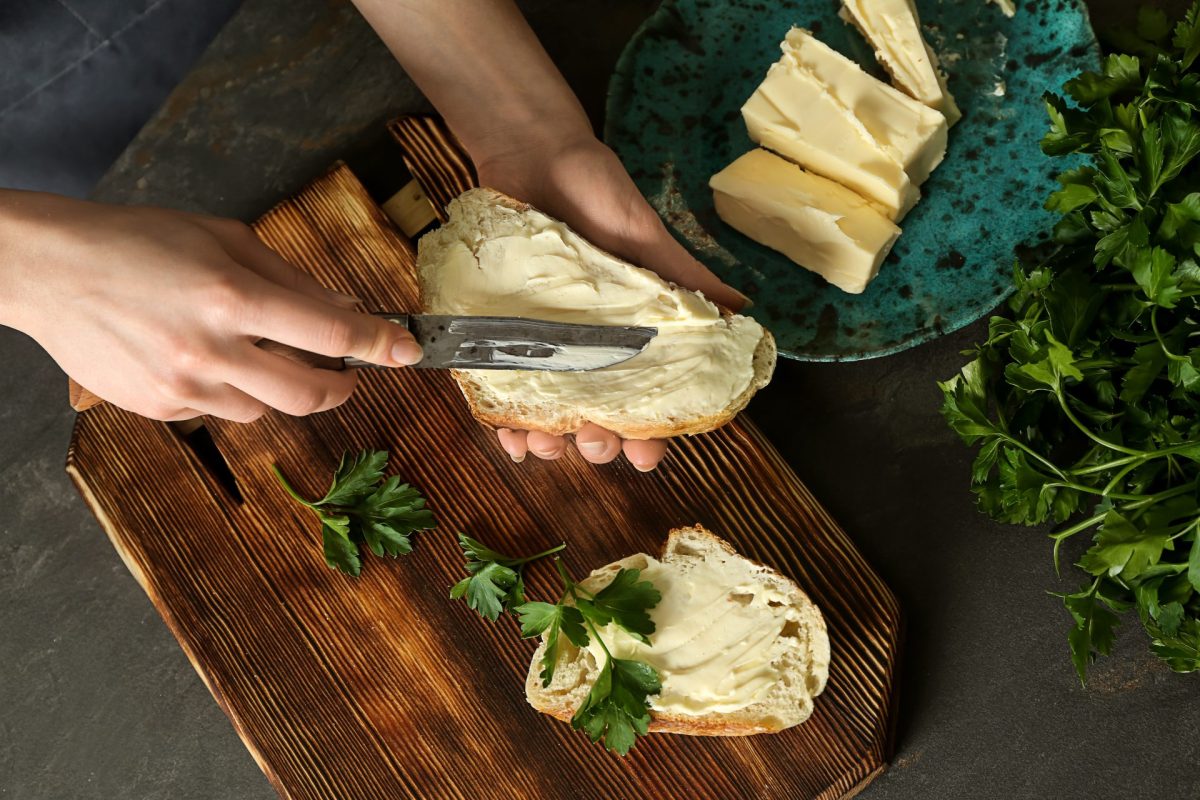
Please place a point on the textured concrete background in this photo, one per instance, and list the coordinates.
(99, 702)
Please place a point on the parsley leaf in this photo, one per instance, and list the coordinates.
(538, 618)
(355, 478)
(340, 552)
(1155, 272)
(1119, 74)
(494, 584)
(1048, 372)
(486, 589)
(1123, 549)
(1093, 632)
(624, 602)
(361, 507)
(1187, 37)
(617, 709)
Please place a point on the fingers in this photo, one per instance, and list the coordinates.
(671, 260)
(596, 444)
(244, 247)
(176, 415)
(286, 385)
(514, 443)
(546, 446)
(229, 403)
(300, 321)
(645, 454)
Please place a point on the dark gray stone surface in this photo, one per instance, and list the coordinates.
(78, 78)
(99, 702)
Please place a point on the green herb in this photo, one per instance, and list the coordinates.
(617, 709)
(1085, 400)
(361, 506)
(495, 583)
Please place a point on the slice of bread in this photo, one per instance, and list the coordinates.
(733, 620)
(498, 256)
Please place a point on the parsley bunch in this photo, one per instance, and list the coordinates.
(617, 708)
(1085, 400)
(361, 506)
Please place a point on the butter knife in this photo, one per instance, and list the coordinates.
(459, 342)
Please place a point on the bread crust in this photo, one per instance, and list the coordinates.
(568, 420)
(678, 723)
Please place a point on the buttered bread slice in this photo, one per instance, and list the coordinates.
(739, 648)
(497, 256)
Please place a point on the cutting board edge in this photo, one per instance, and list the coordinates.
(79, 480)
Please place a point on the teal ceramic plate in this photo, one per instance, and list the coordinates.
(673, 118)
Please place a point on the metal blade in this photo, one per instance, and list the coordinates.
(452, 342)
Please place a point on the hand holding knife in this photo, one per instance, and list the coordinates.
(457, 342)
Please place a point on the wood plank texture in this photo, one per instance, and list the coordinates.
(381, 687)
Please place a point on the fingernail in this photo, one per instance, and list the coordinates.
(643, 467)
(407, 352)
(544, 453)
(591, 448)
(517, 459)
(747, 303)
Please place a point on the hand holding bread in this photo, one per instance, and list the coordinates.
(497, 255)
(582, 183)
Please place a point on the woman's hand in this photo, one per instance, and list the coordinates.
(158, 311)
(581, 182)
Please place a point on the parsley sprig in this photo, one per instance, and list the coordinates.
(361, 506)
(617, 708)
(1085, 400)
(495, 582)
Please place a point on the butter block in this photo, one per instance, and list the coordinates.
(893, 28)
(909, 131)
(803, 117)
(819, 224)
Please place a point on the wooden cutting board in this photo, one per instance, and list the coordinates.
(381, 687)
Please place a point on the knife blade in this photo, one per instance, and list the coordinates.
(459, 342)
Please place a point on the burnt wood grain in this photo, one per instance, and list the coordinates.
(381, 687)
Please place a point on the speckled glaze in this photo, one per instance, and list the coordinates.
(674, 119)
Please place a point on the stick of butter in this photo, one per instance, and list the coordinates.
(910, 132)
(819, 224)
(820, 110)
(894, 29)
